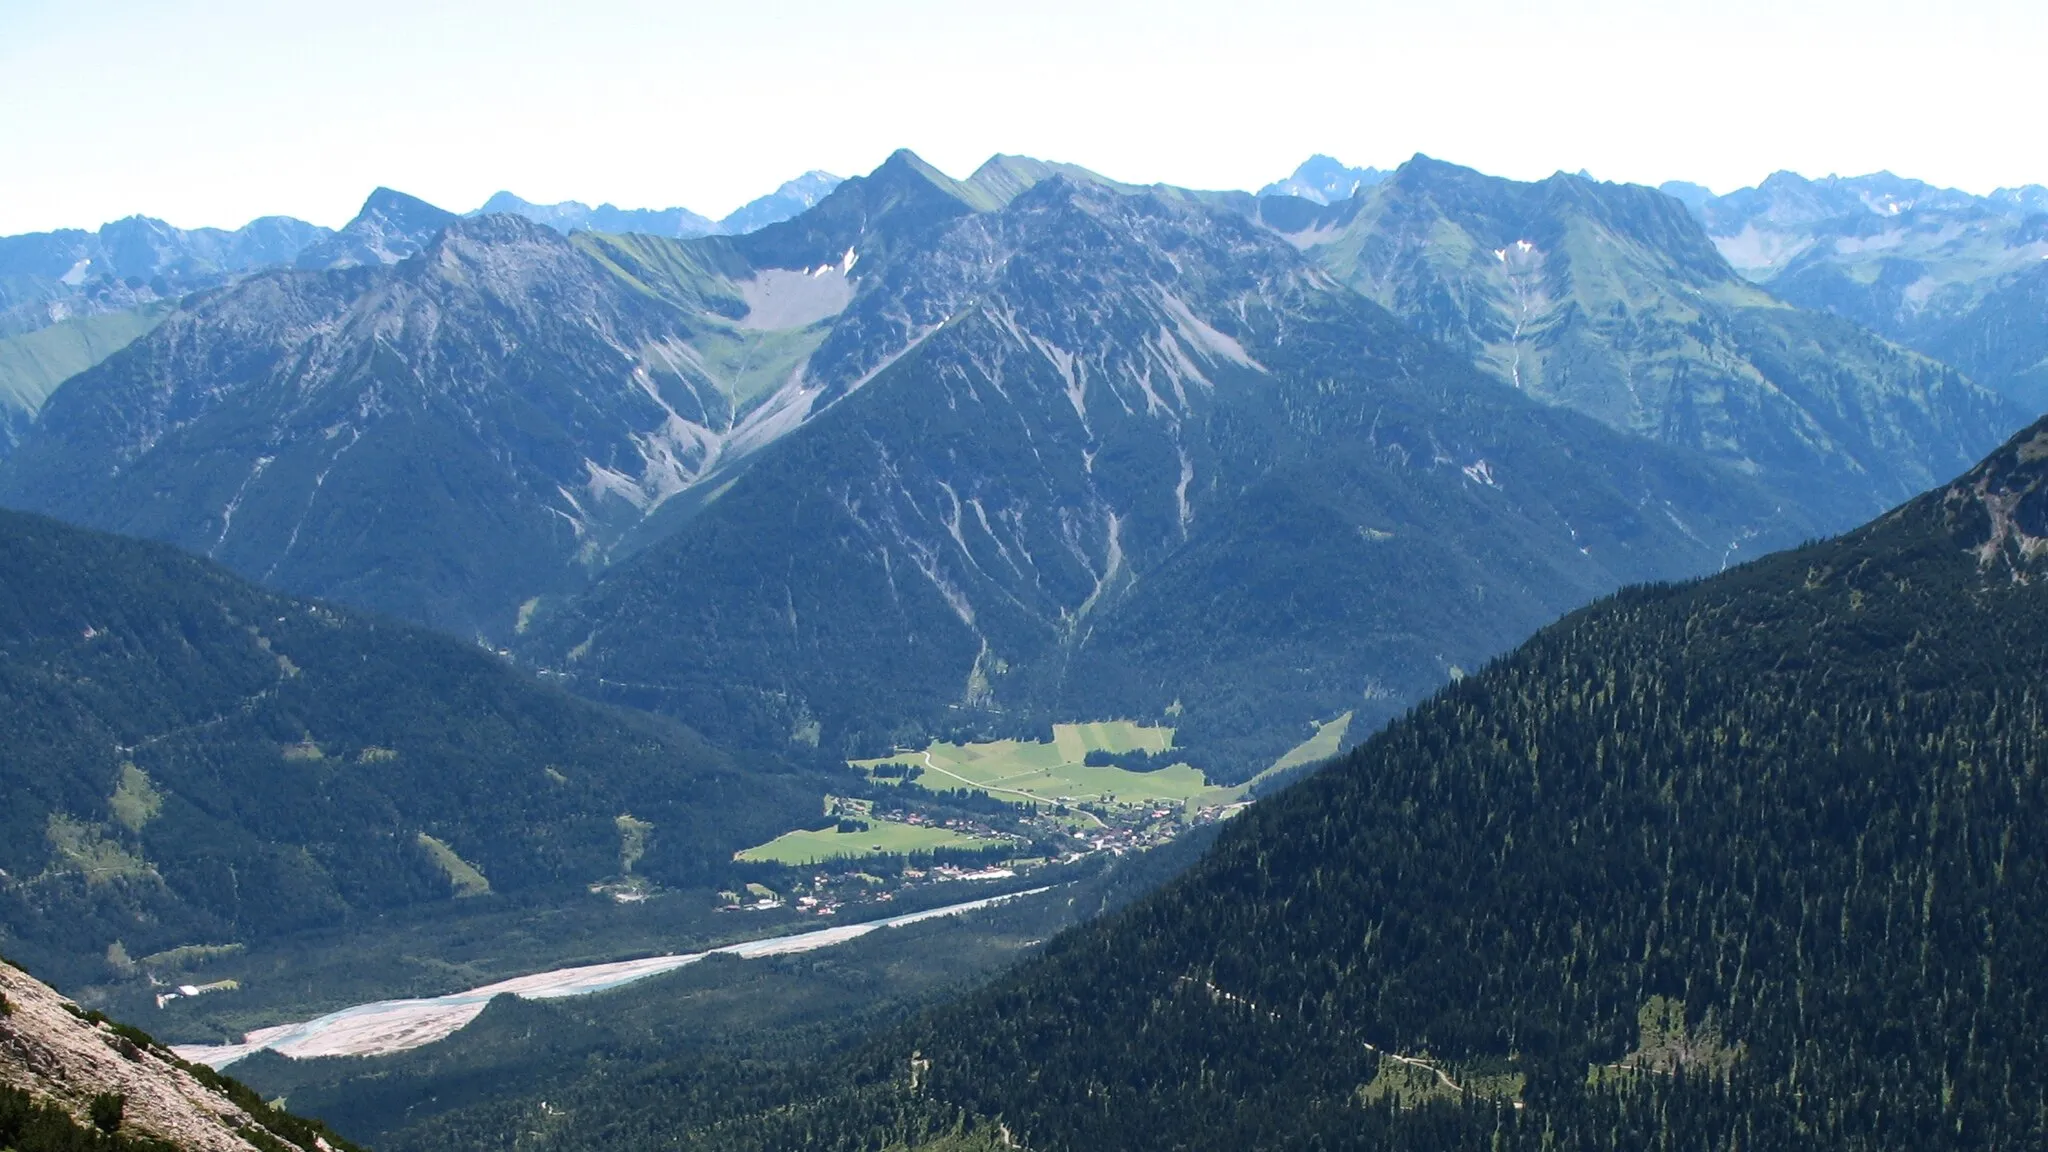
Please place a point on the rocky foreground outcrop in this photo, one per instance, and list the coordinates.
(117, 1079)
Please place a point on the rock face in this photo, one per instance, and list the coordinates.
(51, 1049)
(1957, 276)
(1609, 299)
(390, 227)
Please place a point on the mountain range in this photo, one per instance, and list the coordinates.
(1014, 446)
(1057, 446)
(49, 277)
(488, 583)
(1959, 277)
(1608, 299)
(69, 299)
(792, 198)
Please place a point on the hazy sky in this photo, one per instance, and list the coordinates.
(214, 112)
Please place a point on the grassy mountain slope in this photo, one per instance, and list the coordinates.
(34, 363)
(1611, 300)
(1741, 862)
(191, 760)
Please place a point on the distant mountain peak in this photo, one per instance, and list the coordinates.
(1325, 180)
(504, 201)
(789, 199)
(903, 164)
(391, 226)
(395, 207)
(793, 198)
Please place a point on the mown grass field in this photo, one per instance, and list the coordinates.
(1324, 744)
(1052, 772)
(883, 838)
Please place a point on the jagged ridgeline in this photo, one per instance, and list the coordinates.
(188, 759)
(1750, 862)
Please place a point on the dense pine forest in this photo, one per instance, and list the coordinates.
(1743, 863)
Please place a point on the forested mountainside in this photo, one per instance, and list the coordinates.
(1957, 276)
(1611, 300)
(190, 760)
(1744, 862)
(1114, 453)
(73, 1081)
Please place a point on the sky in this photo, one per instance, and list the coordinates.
(212, 112)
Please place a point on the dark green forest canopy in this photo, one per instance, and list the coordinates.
(188, 759)
(1742, 863)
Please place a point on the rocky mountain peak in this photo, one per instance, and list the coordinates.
(1325, 180)
(390, 208)
(390, 227)
(903, 198)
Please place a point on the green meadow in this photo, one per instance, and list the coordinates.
(1055, 772)
(1052, 772)
(882, 838)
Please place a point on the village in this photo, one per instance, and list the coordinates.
(878, 863)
